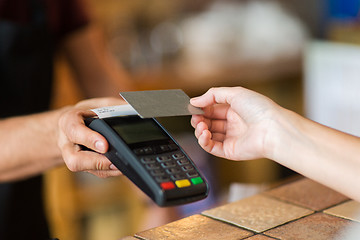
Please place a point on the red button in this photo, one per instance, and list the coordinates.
(167, 185)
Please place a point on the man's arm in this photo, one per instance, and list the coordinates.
(34, 143)
(97, 71)
(28, 145)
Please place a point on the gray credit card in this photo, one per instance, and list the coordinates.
(161, 103)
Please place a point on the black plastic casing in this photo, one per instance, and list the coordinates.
(123, 157)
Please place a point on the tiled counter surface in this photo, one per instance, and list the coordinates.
(302, 209)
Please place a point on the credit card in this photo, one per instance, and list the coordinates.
(149, 104)
(160, 103)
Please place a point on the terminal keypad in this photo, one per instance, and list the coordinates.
(169, 167)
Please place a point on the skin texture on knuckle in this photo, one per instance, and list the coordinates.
(72, 129)
(71, 163)
(100, 165)
(66, 121)
(72, 133)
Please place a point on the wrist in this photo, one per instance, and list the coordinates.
(281, 133)
(56, 116)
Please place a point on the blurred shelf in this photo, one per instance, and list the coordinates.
(245, 74)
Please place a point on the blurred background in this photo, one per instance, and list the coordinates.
(305, 55)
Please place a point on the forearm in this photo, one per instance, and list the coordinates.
(318, 152)
(96, 70)
(28, 145)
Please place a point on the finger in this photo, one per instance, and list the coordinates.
(214, 126)
(195, 119)
(106, 173)
(200, 128)
(77, 160)
(216, 111)
(214, 135)
(214, 96)
(204, 139)
(74, 128)
(100, 102)
(209, 145)
(218, 137)
(86, 113)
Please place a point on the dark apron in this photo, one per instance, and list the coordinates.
(26, 68)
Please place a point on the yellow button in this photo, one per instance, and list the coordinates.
(182, 183)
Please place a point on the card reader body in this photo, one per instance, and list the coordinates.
(146, 153)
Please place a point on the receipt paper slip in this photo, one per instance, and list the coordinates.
(115, 111)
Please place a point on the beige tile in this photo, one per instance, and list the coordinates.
(349, 210)
(308, 193)
(257, 213)
(317, 226)
(195, 227)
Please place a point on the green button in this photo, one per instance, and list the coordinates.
(197, 180)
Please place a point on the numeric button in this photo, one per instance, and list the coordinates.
(164, 158)
(178, 176)
(139, 151)
(188, 168)
(164, 148)
(192, 174)
(168, 164)
(172, 171)
(148, 150)
(157, 172)
(182, 162)
(147, 160)
(152, 166)
(178, 155)
(162, 179)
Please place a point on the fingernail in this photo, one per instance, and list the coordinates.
(113, 167)
(100, 146)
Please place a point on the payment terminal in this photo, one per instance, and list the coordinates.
(146, 153)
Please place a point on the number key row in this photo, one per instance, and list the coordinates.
(147, 150)
(166, 158)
